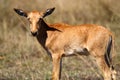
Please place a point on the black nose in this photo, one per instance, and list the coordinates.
(34, 33)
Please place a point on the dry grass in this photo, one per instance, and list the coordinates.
(22, 58)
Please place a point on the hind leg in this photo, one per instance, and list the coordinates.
(113, 72)
(106, 70)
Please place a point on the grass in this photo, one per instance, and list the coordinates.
(22, 58)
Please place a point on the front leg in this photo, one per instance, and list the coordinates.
(57, 65)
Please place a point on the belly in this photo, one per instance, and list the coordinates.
(68, 51)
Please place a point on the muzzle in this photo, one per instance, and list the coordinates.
(34, 33)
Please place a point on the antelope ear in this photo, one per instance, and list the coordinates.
(48, 12)
(20, 12)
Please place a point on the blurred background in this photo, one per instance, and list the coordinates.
(22, 58)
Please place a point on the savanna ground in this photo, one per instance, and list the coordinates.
(22, 58)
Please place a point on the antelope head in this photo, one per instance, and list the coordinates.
(34, 18)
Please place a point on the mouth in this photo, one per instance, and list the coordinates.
(34, 33)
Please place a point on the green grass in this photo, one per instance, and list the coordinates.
(21, 56)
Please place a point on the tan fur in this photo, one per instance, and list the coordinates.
(64, 40)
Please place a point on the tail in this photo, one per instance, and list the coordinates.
(108, 56)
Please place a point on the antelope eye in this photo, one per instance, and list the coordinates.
(28, 18)
(40, 19)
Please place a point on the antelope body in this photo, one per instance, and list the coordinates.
(64, 40)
